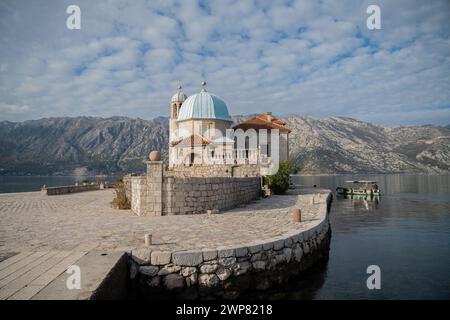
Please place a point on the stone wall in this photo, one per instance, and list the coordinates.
(162, 192)
(139, 196)
(231, 271)
(219, 170)
(248, 170)
(197, 195)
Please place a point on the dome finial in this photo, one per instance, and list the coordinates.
(179, 96)
(203, 86)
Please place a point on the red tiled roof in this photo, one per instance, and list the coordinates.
(265, 117)
(262, 122)
(192, 140)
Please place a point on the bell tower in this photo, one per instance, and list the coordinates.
(176, 102)
(175, 105)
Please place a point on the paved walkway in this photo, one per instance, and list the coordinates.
(35, 222)
(40, 236)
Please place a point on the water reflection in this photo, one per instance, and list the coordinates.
(358, 201)
(406, 231)
(310, 281)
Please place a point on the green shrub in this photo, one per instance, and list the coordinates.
(120, 201)
(296, 169)
(279, 182)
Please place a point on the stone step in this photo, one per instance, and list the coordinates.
(104, 275)
(42, 275)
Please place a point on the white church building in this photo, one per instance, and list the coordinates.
(202, 132)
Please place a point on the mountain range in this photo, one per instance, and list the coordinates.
(92, 145)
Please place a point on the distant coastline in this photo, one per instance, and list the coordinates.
(29, 183)
(67, 146)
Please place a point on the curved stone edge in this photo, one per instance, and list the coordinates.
(211, 267)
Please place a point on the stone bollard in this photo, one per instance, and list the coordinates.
(148, 239)
(297, 215)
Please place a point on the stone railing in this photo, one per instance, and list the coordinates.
(230, 271)
(50, 191)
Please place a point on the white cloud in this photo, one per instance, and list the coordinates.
(13, 109)
(302, 57)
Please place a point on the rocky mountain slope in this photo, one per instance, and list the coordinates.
(79, 145)
(120, 144)
(345, 145)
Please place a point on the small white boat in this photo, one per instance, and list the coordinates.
(360, 187)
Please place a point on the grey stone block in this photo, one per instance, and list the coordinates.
(188, 271)
(254, 248)
(287, 254)
(241, 252)
(224, 252)
(187, 258)
(141, 255)
(278, 244)
(208, 280)
(268, 245)
(242, 268)
(288, 242)
(149, 270)
(161, 257)
(259, 265)
(227, 262)
(168, 269)
(298, 253)
(173, 281)
(223, 273)
(208, 268)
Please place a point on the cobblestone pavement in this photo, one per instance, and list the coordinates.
(34, 222)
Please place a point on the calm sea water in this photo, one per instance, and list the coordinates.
(406, 233)
(32, 183)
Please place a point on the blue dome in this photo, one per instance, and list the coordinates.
(204, 105)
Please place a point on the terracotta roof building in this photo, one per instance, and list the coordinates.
(264, 121)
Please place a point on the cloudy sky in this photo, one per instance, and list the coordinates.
(290, 57)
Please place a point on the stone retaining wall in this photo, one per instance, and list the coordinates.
(159, 193)
(197, 195)
(230, 271)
